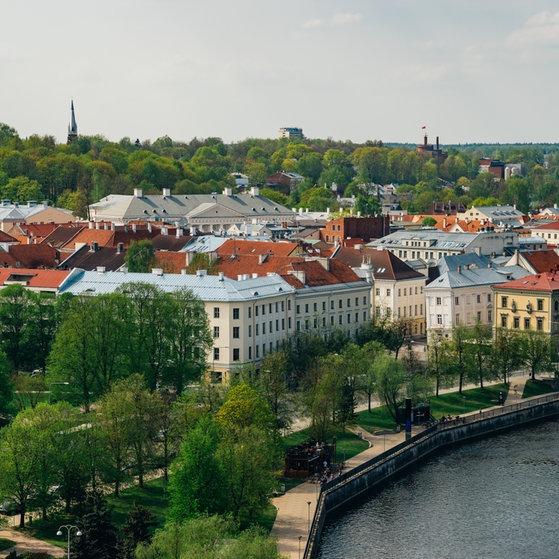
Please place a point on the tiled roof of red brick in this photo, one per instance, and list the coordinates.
(316, 274)
(243, 264)
(547, 281)
(241, 246)
(30, 256)
(87, 236)
(33, 278)
(39, 230)
(171, 262)
(554, 226)
(5, 238)
(542, 260)
(385, 265)
(170, 242)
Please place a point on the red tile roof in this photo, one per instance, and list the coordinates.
(241, 246)
(547, 281)
(30, 256)
(47, 279)
(542, 260)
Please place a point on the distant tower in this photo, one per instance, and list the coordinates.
(72, 127)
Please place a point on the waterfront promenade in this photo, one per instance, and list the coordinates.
(296, 507)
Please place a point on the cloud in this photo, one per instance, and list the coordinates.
(540, 30)
(313, 23)
(345, 19)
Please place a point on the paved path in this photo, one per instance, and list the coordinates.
(27, 544)
(295, 514)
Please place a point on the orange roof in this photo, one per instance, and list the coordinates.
(37, 279)
(87, 236)
(542, 260)
(548, 281)
(171, 262)
(241, 246)
(250, 264)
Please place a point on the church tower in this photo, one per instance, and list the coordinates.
(72, 127)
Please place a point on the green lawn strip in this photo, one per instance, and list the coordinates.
(6, 544)
(536, 388)
(452, 404)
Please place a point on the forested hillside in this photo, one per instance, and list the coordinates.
(75, 175)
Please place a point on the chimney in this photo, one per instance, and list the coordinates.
(201, 273)
(157, 271)
(179, 232)
(254, 191)
(220, 276)
(133, 228)
(137, 193)
(166, 192)
(91, 225)
(94, 246)
(149, 226)
(164, 231)
(227, 191)
(100, 269)
(437, 143)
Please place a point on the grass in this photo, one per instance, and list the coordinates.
(153, 496)
(452, 403)
(536, 388)
(6, 544)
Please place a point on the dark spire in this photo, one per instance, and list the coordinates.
(72, 127)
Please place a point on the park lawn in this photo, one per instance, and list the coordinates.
(153, 496)
(536, 388)
(6, 544)
(452, 403)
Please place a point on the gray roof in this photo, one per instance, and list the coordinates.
(499, 212)
(204, 243)
(206, 288)
(439, 239)
(476, 277)
(181, 207)
(470, 259)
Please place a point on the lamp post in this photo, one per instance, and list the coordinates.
(300, 538)
(308, 516)
(68, 528)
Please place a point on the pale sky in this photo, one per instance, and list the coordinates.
(469, 70)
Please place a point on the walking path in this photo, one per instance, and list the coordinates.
(296, 507)
(27, 544)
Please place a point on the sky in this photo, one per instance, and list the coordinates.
(468, 70)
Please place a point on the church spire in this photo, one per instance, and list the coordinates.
(72, 127)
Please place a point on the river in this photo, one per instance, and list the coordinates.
(493, 498)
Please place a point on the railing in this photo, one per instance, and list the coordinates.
(392, 453)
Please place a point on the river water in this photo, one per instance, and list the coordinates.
(493, 498)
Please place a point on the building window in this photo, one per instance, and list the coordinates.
(216, 312)
(277, 325)
(356, 301)
(479, 316)
(478, 298)
(489, 316)
(332, 321)
(288, 305)
(282, 306)
(250, 330)
(526, 323)
(439, 319)
(539, 323)
(256, 329)
(377, 311)
(271, 327)
(236, 313)
(235, 332)
(489, 297)
(250, 352)
(216, 331)
(377, 291)
(250, 312)
(324, 321)
(503, 321)
(298, 309)
(332, 305)
(340, 320)
(315, 321)
(457, 318)
(263, 328)
(439, 301)
(516, 322)
(307, 308)
(263, 310)
(289, 322)
(216, 354)
(349, 318)
(540, 304)
(340, 304)
(365, 299)
(504, 302)
(388, 292)
(323, 306)
(257, 351)
(399, 292)
(456, 300)
(356, 317)
(283, 323)
(256, 310)
(315, 307)
(364, 316)
(298, 325)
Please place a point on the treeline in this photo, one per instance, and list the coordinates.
(73, 176)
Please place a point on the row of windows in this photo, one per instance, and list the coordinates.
(332, 305)
(458, 321)
(516, 322)
(332, 321)
(405, 311)
(418, 254)
(539, 303)
(237, 330)
(237, 351)
(257, 308)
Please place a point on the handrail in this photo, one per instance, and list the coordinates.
(391, 453)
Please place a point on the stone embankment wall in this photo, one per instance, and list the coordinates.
(369, 476)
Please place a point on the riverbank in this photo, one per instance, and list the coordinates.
(297, 507)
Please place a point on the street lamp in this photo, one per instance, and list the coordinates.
(300, 538)
(68, 528)
(308, 516)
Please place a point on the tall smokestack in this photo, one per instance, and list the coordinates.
(437, 143)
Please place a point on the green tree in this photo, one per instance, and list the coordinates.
(536, 351)
(506, 354)
(390, 382)
(140, 256)
(197, 476)
(137, 530)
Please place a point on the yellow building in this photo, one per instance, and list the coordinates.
(529, 303)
